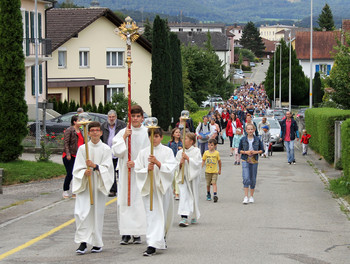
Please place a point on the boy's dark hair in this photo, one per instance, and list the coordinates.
(136, 109)
(94, 124)
(213, 141)
(157, 131)
(74, 118)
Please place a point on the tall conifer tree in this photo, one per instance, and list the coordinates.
(178, 91)
(13, 108)
(161, 83)
(251, 39)
(325, 19)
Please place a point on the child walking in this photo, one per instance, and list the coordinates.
(250, 147)
(235, 144)
(163, 164)
(305, 141)
(265, 138)
(189, 189)
(211, 159)
(175, 144)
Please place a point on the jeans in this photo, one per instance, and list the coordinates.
(203, 147)
(289, 145)
(68, 164)
(249, 172)
(305, 146)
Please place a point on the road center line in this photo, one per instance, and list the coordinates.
(37, 239)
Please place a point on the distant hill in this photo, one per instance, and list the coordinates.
(228, 11)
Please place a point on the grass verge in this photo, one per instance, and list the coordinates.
(22, 171)
(16, 203)
(340, 188)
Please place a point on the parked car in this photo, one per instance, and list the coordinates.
(275, 131)
(252, 64)
(238, 76)
(301, 113)
(239, 72)
(278, 114)
(210, 102)
(59, 124)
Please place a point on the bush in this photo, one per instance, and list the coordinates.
(235, 65)
(246, 68)
(319, 123)
(190, 104)
(345, 151)
(197, 117)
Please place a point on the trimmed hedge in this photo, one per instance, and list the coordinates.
(345, 148)
(319, 123)
(197, 117)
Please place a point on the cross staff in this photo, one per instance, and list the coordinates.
(129, 32)
(151, 123)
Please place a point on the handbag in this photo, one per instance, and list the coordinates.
(223, 135)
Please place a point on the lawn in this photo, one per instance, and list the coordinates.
(22, 171)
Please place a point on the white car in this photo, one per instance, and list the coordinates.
(211, 102)
(238, 76)
(275, 131)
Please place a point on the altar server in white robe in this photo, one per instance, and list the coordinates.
(131, 219)
(163, 164)
(189, 190)
(89, 218)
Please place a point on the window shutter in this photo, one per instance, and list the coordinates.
(27, 32)
(328, 69)
(39, 27)
(32, 25)
(33, 80)
(317, 68)
(40, 79)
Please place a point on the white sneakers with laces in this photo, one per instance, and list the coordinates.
(251, 199)
(245, 200)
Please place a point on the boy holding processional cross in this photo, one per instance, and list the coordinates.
(160, 214)
(131, 218)
(89, 215)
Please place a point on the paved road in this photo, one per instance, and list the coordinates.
(294, 220)
(258, 73)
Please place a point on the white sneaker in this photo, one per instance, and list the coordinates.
(65, 194)
(251, 199)
(245, 200)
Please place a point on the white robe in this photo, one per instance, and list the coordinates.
(89, 218)
(160, 219)
(131, 219)
(189, 190)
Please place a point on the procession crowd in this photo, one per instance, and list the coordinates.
(150, 174)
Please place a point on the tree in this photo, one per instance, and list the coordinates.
(299, 81)
(120, 105)
(317, 89)
(148, 31)
(176, 66)
(325, 19)
(339, 78)
(69, 4)
(251, 39)
(13, 107)
(161, 83)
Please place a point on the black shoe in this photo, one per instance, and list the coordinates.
(125, 240)
(136, 239)
(96, 250)
(112, 194)
(149, 252)
(215, 198)
(82, 249)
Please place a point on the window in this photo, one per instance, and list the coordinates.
(62, 59)
(324, 69)
(40, 79)
(114, 89)
(114, 58)
(84, 58)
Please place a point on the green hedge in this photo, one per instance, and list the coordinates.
(319, 123)
(345, 148)
(198, 116)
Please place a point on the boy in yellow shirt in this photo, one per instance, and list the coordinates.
(211, 158)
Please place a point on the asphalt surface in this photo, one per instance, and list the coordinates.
(294, 219)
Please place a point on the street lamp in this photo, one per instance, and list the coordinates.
(290, 70)
(310, 103)
(280, 91)
(274, 75)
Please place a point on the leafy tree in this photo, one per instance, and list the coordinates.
(317, 89)
(120, 105)
(325, 19)
(69, 4)
(251, 39)
(299, 81)
(177, 89)
(148, 31)
(339, 78)
(161, 83)
(13, 108)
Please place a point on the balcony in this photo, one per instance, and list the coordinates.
(44, 50)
